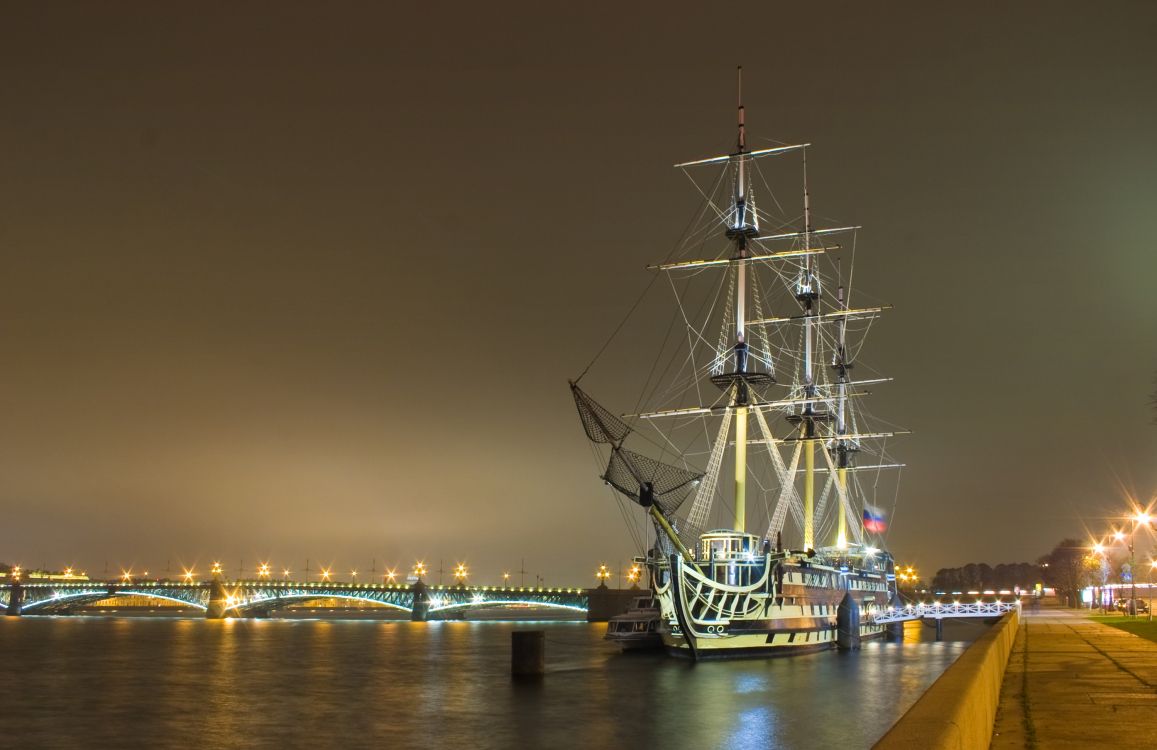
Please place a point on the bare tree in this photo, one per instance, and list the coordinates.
(1066, 571)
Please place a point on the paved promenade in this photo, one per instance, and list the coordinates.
(1075, 683)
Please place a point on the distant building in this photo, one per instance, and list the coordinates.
(15, 572)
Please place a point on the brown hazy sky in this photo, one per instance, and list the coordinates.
(299, 281)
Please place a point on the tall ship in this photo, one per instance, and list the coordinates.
(751, 424)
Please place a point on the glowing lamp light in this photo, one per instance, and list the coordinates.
(391, 575)
(126, 576)
(1119, 536)
(325, 574)
(188, 575)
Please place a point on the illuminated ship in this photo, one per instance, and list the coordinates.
(759, 381)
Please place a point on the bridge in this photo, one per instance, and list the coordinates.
(941, 612)
(938, 611)
(220, 599)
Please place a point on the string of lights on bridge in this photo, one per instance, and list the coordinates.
(265, 571)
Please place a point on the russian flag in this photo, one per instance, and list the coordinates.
(874, 520)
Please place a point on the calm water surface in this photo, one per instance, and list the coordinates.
(128, 682)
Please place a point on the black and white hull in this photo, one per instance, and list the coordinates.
(791, 607)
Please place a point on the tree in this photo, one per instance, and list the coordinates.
(1066, 570)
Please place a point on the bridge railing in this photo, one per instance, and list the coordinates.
(939, 611)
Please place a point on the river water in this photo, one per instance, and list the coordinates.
(166, 682)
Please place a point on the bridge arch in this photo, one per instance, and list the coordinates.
(62, 602)
(486, 603)
(277, 602)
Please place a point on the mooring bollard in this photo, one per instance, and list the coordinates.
(527, 653)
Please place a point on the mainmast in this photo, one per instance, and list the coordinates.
(807, 292)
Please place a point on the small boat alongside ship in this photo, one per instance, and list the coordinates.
(638, 627)
(775, 338)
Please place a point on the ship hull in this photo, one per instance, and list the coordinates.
(787, 607)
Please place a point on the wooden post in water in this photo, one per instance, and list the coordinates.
(527, 653)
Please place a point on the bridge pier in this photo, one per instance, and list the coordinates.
(420, 604)
(218, 599)
(15, 599)
(604, 603)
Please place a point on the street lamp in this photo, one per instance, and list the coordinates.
(633, 574)
(216, 568)
(419, 570)
(263, 570)
(391, 575)
(460, 573)
(602, 574)
(325, 574)
(506, 580)
(189, 575)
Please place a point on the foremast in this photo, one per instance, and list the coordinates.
(744, 226)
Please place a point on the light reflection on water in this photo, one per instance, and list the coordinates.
(169, 682)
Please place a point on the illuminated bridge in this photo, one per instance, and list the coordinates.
(938, 611)
(219, 599)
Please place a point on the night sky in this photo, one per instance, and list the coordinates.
(295, 282)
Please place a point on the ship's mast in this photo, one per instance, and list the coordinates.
(739, 233)
(807, 292)
(841, 366)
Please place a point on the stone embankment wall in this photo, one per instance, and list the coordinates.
(958, 711)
